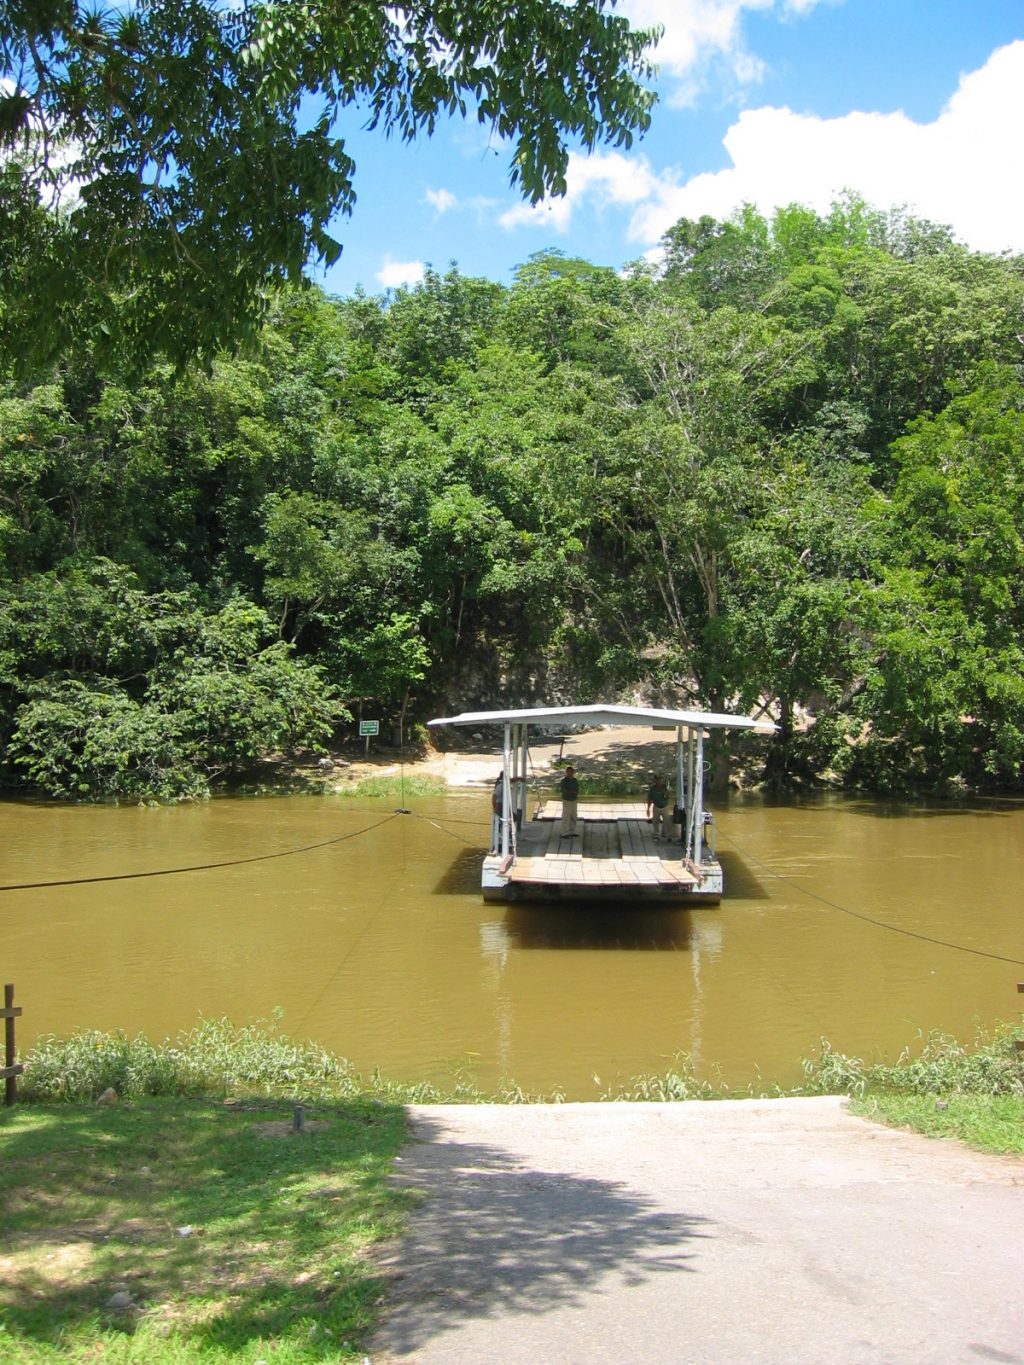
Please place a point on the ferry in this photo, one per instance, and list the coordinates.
(614, 853)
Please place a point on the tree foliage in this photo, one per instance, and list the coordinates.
(783, 474)
(112, 691)
(166, 163)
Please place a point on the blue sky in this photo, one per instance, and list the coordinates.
(915, 102)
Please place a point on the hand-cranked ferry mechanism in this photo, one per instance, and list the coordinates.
(612, 851)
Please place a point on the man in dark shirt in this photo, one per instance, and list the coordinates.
(570, 790)
(657, 806)
(498, 807)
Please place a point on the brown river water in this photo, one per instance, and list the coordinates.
(856, 921)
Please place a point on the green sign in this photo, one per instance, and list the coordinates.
(369, 727)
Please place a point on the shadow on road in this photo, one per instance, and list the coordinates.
(492, 1237)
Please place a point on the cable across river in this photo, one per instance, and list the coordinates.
(868, 919)
(197, 867)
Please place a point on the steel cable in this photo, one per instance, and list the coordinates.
(868, 919)
(196, 867)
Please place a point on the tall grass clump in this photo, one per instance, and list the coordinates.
(213, 1058)
(940, 1065)
(679, 1082)
(942, 1088)
(216, 1059)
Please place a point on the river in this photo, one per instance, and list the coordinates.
(853, 920)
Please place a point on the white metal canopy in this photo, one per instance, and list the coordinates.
(552, 717)
(511, 805)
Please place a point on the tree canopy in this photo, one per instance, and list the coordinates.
(784, 473)
(162, 164)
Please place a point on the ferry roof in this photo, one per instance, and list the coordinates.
(553, 717)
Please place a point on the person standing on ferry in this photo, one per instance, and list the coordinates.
(657, 806)
(498, 807)
(570, 791)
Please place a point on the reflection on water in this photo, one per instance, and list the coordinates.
(835, 923)
(462, 876)
(598, 926)
(741, 879)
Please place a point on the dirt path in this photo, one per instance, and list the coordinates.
(626, 752)
(785, 1232)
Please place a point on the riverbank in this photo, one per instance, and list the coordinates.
(198, 1212)
(475, 1233)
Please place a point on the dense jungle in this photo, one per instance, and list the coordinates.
(781, 470)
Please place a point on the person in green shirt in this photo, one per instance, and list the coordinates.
(570, 791)
(657, 807)
(498, 807)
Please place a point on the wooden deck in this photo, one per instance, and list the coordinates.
(613, 848)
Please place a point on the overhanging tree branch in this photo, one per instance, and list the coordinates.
(211, 97)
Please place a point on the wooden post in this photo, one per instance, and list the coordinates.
(10, 1071)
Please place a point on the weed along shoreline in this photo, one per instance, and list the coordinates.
(166, 1201)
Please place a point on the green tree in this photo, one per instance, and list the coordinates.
(185, 151)
(944, 699)
(566, 309)
(707, 386)
(108, 690)
(389, 662)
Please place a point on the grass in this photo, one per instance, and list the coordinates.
(212, 1059)
(187, 1219)
(621, 786)
(216, 1059)
(679, 1082)
(394, 787)
(164, 1231)
(219, 1060)
(942, 1087)
(604, 786)
(992, 1123)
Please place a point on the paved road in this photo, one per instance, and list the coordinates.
(783, 1232)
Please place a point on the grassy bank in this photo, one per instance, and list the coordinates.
(219, 1061)
(164, 1231)
(188, 1218)
(942, 1088)
(416, 784)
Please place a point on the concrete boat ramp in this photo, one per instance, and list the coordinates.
(772, 1231)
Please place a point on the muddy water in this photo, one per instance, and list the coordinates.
(377, 943)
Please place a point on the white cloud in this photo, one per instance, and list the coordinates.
(698, 33)
(605, 177)
(442, 200)
(394, 273)
(957, 169)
